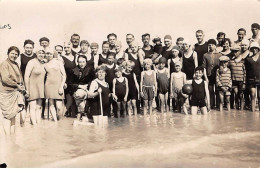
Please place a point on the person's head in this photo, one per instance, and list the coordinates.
(254, 48)
(223, 60)
(179, 42)
(200, 36)
(244, 45)
(28, 47)
(168, 41)
(226, 44)
(129, 65)
(44, 42)
(178, 66)
(13, 52)
(221, 38)
(146, 39)
(198, 72)
(134, 47)
(157, 41)
(162, 62)
(236, 50)
(101, 72)
(67, 48)
(119, 72)
(241, 33)
(212, 45)
(94, 48)
(118, 46)
(112, 37)
(255, 29)
(49, 53)
(105, 47)
(148, 63)
(175, 51)
(59, 49)
(41, 55)
(82, 61)
(111, 57)
(129, 38)
(120, 62)
(75, 39)
(84, 44)
(186, 44)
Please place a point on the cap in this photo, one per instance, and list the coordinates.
(224, 59)
(156, 39)
(178, 63)
(235, 47)
(44, 39)
(255, 25)
(148, 61)
(162, 60)
(212, 41)
(94, 44)
(176, 48)
(254, 45)
(168, 37)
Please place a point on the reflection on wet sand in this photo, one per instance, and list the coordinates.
(227, 139)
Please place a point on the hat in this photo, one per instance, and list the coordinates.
(44, 39)
(40, 49)
(212, 41)
(235, 47)
(156, 39)
(162, 60)
(94, 44)
(254, 45)
(176, 48)
(255, 25)
(148, 61)
(223, 59)
(168, 37)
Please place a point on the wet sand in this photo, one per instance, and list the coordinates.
(219, 139)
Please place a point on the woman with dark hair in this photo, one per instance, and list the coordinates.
(12, 91)
(226, 48)
(79, 81)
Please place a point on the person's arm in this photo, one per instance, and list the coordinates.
(136, 83)
(204, 65)
(242, 56)
(184, 79)
(27, 74)
(244, 76)
(195, 58)
(141, 56)
(96, 59)
(230, 79)
(63, 73)
(169, 66)
(218, 82)
(126, 56)
(141, 83)
(207, 94)
(171, 86)
(155, 83)
(127, 90)
(114, 89)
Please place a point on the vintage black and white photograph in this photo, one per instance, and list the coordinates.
(129, 84)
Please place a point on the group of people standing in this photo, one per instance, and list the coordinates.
(68, 80)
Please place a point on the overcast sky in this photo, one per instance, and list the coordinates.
(93, 20)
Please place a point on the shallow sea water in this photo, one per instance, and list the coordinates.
(218, 139)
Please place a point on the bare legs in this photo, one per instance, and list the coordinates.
(53, 111)
(164, 100)
(35, 110)
(133, 103)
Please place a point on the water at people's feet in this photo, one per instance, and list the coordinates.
(227, 139)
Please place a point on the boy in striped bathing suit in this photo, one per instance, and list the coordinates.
(238, 72)
(224, 82)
